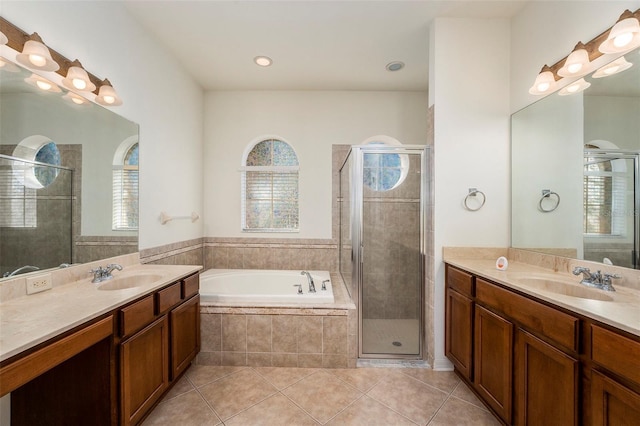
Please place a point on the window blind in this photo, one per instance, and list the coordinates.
(125, 198)
(17, 202)
(270, 200)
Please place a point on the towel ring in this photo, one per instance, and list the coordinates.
(472, 193)
(547, 193)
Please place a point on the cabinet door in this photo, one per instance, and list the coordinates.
(492, 361)
(144, 372)
(613, 404)
(185, 335)
(459, 331)
(546, 383)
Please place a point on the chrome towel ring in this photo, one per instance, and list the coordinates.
(546, 194)
(472, 193)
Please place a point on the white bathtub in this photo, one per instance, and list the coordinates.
(257, 286)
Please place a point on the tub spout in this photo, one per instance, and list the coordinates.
(312, 286)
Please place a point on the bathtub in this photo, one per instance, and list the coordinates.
(257, 286)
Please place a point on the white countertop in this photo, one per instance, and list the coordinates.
(30, 320)
(622, 312)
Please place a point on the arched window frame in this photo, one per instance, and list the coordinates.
(269, 192)
(125, 187)
(384, 172)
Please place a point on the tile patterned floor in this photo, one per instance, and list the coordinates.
(246, 396)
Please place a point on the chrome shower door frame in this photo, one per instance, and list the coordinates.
(357, 210)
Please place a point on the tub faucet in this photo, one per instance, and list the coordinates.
(21, 270)
(312, 286)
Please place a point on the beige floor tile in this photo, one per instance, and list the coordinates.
(188, 409)
(182, 386)
(322, 395)
(282, 377)
(446, 381)
(236, 392)
(362, 379)
(276, 410)
(463, 392)
(408, 396)
(459, 413)
(200, 375)
(368, 412)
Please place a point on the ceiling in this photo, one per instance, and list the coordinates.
(315, 45)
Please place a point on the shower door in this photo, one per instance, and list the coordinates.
(612, 207)
(388, 186)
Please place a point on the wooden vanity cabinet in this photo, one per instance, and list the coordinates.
(459, 321)
(493, 353)
(524, 360)
(160, 337)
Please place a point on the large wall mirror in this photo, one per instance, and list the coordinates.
(68, 177)
(575, 171)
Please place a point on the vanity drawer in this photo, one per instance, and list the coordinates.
(168, 298)
(136, 316)
(190, 286)
(544, 320)
(461, 281)
(616, 353)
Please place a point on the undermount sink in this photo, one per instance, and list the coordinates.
(565, 289)
(129, 281)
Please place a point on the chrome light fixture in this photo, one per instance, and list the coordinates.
(577, 63)
(612, 68)
(545, 82)
(35, 55)
(78, 79)
(575, 87)
(107, 95)
(624, 36)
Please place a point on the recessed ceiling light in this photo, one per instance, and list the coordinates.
(395, 66)
(263, 61)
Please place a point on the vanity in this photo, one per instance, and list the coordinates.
(99, 353)
(537, 347)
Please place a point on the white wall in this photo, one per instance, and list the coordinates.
(469, 86)
(311, 121)
(158, 95)
(546, 31)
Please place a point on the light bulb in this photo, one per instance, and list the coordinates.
(574, 68)
(543, 87)
(79, 84)
(611, 70)
(77, 101)
(623, 39)
(2, 63)
(43, 85)
(573, 88)
(37, 60)
(109, 99)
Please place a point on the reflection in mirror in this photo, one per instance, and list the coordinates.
(68, 176)
(585, 146)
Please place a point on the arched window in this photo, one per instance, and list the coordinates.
(270, 187)
(384, 171)
(125, 186)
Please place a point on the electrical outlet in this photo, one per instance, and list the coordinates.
(38, 283)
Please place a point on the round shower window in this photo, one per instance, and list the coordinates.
(40, 151)
(384, 172)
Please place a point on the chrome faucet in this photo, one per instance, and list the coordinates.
(102, 274)
(312, 286)
(21, 270)
(595, 279)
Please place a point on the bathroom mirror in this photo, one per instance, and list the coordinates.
(75, 208)
(585, 149)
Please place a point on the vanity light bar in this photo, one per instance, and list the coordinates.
(592, 48)
(16, 39)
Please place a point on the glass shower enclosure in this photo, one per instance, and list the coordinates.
(382, 246)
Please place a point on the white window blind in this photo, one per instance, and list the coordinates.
(17, 202)
(270, 188)
(125, 198)
(604, 193)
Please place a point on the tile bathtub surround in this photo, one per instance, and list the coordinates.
(308, 396)
(189, 252)
(278, 337)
